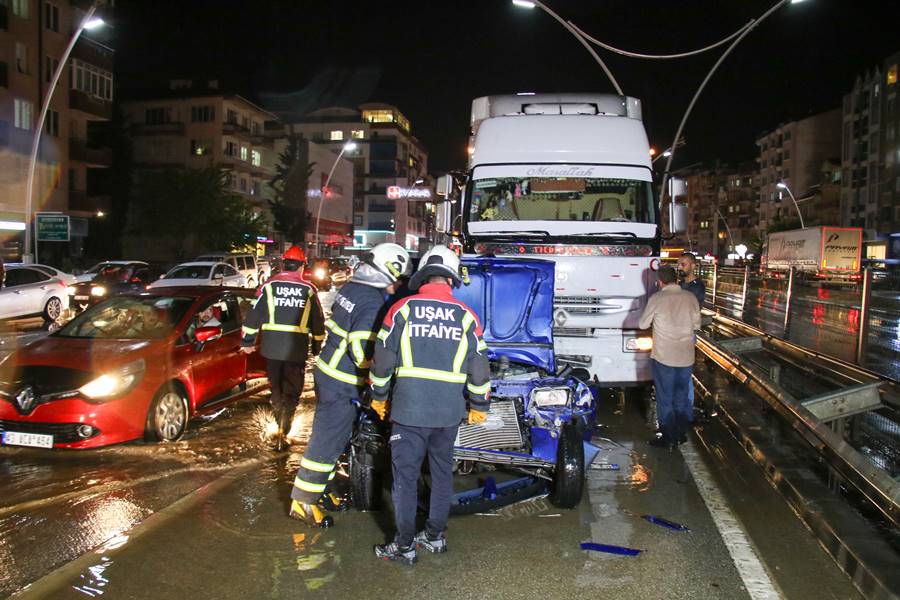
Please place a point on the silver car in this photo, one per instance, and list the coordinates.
(30, 291)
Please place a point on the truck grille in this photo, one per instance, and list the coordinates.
(573, 331)
(499, 432)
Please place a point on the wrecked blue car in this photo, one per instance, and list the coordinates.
(540, 420)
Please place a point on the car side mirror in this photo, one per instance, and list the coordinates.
(204, 335)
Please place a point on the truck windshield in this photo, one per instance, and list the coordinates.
(561, 199)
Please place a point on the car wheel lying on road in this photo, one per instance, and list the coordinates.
(167, 418)
(568, 479)
(53, 309)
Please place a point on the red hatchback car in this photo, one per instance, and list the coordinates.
(132, 366)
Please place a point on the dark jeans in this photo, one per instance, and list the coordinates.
(673, 405)
(409, 445)
(286, 379)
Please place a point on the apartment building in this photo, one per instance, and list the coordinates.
(72, 161)
(388, 161)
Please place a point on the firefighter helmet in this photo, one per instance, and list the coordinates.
(383, 265)
(440, 261)
(295, 253)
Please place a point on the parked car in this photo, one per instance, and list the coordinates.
(67, 278)
(318, 271)
(100, 266)
(201, 273)
(540, 420)
(115, 277)
(256, 270)
(341, 271)
(30, 291)
(133, 366)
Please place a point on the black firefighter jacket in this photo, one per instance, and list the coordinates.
(287, 314)
(431, 343)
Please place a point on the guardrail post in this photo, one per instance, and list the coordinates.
(787, 300)
(715, 282)
(744, 291)
(864, 315)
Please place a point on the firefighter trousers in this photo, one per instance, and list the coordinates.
(286, 379)
(331, 430)
(409, 446)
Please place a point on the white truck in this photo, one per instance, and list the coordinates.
(827, 254)
(568, 178)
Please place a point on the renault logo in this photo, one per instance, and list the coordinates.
(25, 398)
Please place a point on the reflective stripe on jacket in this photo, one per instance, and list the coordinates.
(287, 313)
(352, 330)
(431, 346)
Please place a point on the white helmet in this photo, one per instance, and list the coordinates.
(440, 261)
(383, 265)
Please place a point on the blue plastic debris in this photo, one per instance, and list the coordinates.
(665, 523)
(622, 550)
(490, 489)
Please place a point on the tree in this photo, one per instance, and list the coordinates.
(290, 184)
(194, 205)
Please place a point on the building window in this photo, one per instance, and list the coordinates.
(52, 176)
(24, 113)
(254, 128)
(51, 17)
(230, 149)
(704, 224)
(202, 114)
(357, 134)
(91, 80)
(254, 188)
(201, 147)
(892, 75)
(243, 185)
(50, 65)
(156, 116)
(231, 117)
(244, 153)
(20, 8)
(787, 154)
(21, 57)
(787, 136)
(51, 125)
(256, 158)
(336, 136)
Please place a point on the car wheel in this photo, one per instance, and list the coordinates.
(53, 309)
(363, 479)
(568, 478)
(251, 283)
(168, 416)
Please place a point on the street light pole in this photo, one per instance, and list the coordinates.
(348, 146)
(783, 186)
(88, 22)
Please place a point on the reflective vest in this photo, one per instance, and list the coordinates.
(430, 345)
(352, 330)
(288, 315)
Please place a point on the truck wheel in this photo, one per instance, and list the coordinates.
(363, 479)
(568, 478)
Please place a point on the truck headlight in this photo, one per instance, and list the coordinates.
(115, 383)
(638, 344)
(551, 396)
(98, 290)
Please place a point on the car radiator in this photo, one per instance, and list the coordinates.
(499, 432)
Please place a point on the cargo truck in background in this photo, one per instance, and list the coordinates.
(824, 254)
(568, 178)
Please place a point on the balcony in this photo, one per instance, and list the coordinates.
(233, 128)
(80, 150)
(94, 53)
(78, 100)
(158, 129)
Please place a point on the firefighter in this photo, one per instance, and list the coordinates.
(431, 344)
(288, 315)
(341, 376)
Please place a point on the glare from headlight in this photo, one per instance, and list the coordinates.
(115, 383)
(71, 291)
(551, 396)
(639, 344)
(98, 290)
(319, 273)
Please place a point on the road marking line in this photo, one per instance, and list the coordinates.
(753, 573)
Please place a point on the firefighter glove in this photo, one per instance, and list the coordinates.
(476, 417)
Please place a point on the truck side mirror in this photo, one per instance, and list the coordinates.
(444, 186)
(678, 218)
(443, 219)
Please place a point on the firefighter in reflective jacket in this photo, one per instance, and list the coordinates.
(431, 345)
(288, 316)
(341, 376)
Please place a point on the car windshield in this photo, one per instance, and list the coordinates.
(128, 318)
(189, 272)
(114, 273)
(561, 199)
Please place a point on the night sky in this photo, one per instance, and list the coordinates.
(432, 57)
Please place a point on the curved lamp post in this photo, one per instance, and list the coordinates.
(783, 186)
(348, 146)
(89, 22)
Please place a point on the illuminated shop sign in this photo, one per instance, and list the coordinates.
(395, 192)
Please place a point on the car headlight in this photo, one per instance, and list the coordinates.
(98, 290)
(319, 273)
(115, 383)
(638, 344)
(551, 396)
(71, 291)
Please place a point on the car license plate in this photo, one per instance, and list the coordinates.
(82, 297)
(34, 440)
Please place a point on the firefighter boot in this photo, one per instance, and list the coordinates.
(310, 514)
(334, 503)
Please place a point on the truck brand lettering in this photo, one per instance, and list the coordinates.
(792, 244)
(547, 171)
(564, 250)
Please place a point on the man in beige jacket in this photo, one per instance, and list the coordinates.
(674, 315)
